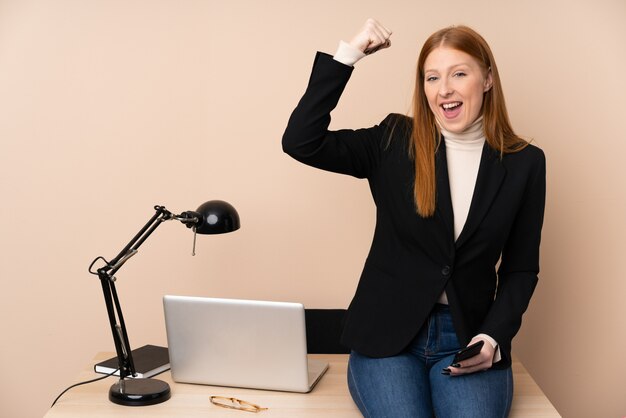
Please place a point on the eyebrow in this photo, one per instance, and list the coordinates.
(451, 67)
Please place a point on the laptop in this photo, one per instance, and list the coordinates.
(239, 343)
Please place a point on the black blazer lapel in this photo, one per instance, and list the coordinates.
(444, 201)
(491, 173)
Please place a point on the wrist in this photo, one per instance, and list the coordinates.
(497, 356)
(348, 54)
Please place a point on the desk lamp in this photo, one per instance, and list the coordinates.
(212, 217)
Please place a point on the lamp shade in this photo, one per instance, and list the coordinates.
(217, 217)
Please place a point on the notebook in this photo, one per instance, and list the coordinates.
(149, 360)
(239, 343)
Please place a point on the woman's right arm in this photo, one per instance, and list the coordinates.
(307, 138)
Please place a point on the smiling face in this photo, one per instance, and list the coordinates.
(454, 84)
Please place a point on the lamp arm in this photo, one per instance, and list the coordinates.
(122, 346)
(111, 299)
(128, 251)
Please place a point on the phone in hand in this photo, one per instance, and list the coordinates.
(468, 352)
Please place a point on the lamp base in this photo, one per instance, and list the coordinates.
(139, 392)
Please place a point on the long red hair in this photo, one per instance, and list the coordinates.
(425, 137)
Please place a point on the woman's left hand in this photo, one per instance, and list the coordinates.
(480, 362)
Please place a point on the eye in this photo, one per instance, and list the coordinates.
(431, 78)
(459, 74)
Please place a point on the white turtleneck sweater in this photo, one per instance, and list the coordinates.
(463, 154)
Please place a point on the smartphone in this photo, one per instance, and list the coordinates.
(467, 352)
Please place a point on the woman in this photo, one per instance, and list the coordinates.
(456, 191)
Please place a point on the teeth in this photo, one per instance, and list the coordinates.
(451, 105)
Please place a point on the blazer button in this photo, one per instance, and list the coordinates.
(446, 271)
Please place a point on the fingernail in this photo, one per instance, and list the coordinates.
(456, 365)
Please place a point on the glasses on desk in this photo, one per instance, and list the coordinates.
(234, 403)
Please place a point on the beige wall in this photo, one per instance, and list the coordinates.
(110, 107)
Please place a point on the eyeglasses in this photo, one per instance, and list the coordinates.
(234, 403)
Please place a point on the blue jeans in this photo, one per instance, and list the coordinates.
(411, 384)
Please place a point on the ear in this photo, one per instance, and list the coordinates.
(488, 81)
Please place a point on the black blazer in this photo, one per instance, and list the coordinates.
(413, 259)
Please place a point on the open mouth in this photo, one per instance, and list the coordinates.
(452, 109)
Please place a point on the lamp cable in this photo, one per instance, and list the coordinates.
(84, 383)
